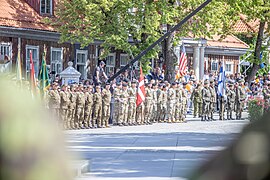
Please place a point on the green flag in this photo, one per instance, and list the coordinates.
(44, 77)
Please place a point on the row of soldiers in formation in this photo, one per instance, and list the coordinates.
(81, 106)
(205, 100)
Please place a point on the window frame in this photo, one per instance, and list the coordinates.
(34, 60)
(79, 51)
(56, 62)
(123, 55)
(5, 44)
(232, 66)
(216, 62)
(51, 4)
(110, 67)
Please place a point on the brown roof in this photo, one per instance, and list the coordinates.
(17, 13)
(229, 41)
(243, 25)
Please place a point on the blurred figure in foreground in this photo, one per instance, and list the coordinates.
(31, 147)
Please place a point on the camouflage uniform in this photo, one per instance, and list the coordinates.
(213, 99)
(240, 98)
(171, 104)
(116, 96)
(184, 103)
(148, 105)
(123, 106)
(80, 109)
(132, 105)
(178, 105)
(97, 115)
(106, 101)
(54, 102)
(230, 102)
(206, 96)
(72, 109)
(196, 96)
(88, 110)
(154, 105)
(64, 98)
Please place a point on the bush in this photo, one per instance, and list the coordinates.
(256, 108)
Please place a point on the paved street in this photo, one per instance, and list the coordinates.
(159, 151)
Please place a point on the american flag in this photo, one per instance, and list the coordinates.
(182, 69)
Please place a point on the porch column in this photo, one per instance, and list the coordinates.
(201, 63)
(196, 59)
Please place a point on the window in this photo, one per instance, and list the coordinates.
(56, 60)
(81, 58)
(229, 68)
(214, 66)
(46, 7)
(124, 59)
(35, 57)
(110, 63)
(5, 50)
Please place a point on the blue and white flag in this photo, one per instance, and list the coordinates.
(221, 81)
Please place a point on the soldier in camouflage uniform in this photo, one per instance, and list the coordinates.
(230, 101)
(72, 106)
(240, 98)
(54, 100)
(184, 102)
(222, 102)
(178, 104)
(106, 101)
(171, 103)
(154, 104)
(64, 99)
(132, 91)
(206, 96)
(123, 106)
(148, 104)
(88, 109)
(159, 102)
(196, 97)
(97, 115)
(163, 102)
(116, 95)
(80, 107)
(213, 98)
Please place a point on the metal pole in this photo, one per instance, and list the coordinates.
(160, 39)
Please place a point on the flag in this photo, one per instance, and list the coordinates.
(221, 81)
(33, 85)
(141, 89)
(182, 68)
(19, 65)
(44, 82)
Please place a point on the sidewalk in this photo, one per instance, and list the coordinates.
(158, 151)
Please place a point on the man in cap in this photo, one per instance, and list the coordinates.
(171, 103)
(123, 105)
(132, 91)
(88, 109)
(106, 101)
(54, 100)
(64, 103)
(184, 102)
(178, 104)
(206, 96)
(72, 106)
(154, 103)
(117, 102)
(196, 97)
(99, 74)
(230, 93)
(97, 115)
(148, 104)
(213, 98)
(240, 98)
(80, 107)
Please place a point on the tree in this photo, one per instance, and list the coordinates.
(258, 10)
(115, 22)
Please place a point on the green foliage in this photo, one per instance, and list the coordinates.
(255, 108)
(114, 22)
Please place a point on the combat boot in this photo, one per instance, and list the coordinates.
(228, 117)
(231, 117)
(202, 119)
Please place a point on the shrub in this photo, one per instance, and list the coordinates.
(256, 108)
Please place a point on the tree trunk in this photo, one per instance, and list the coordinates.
(169, 58)
(257, 52)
